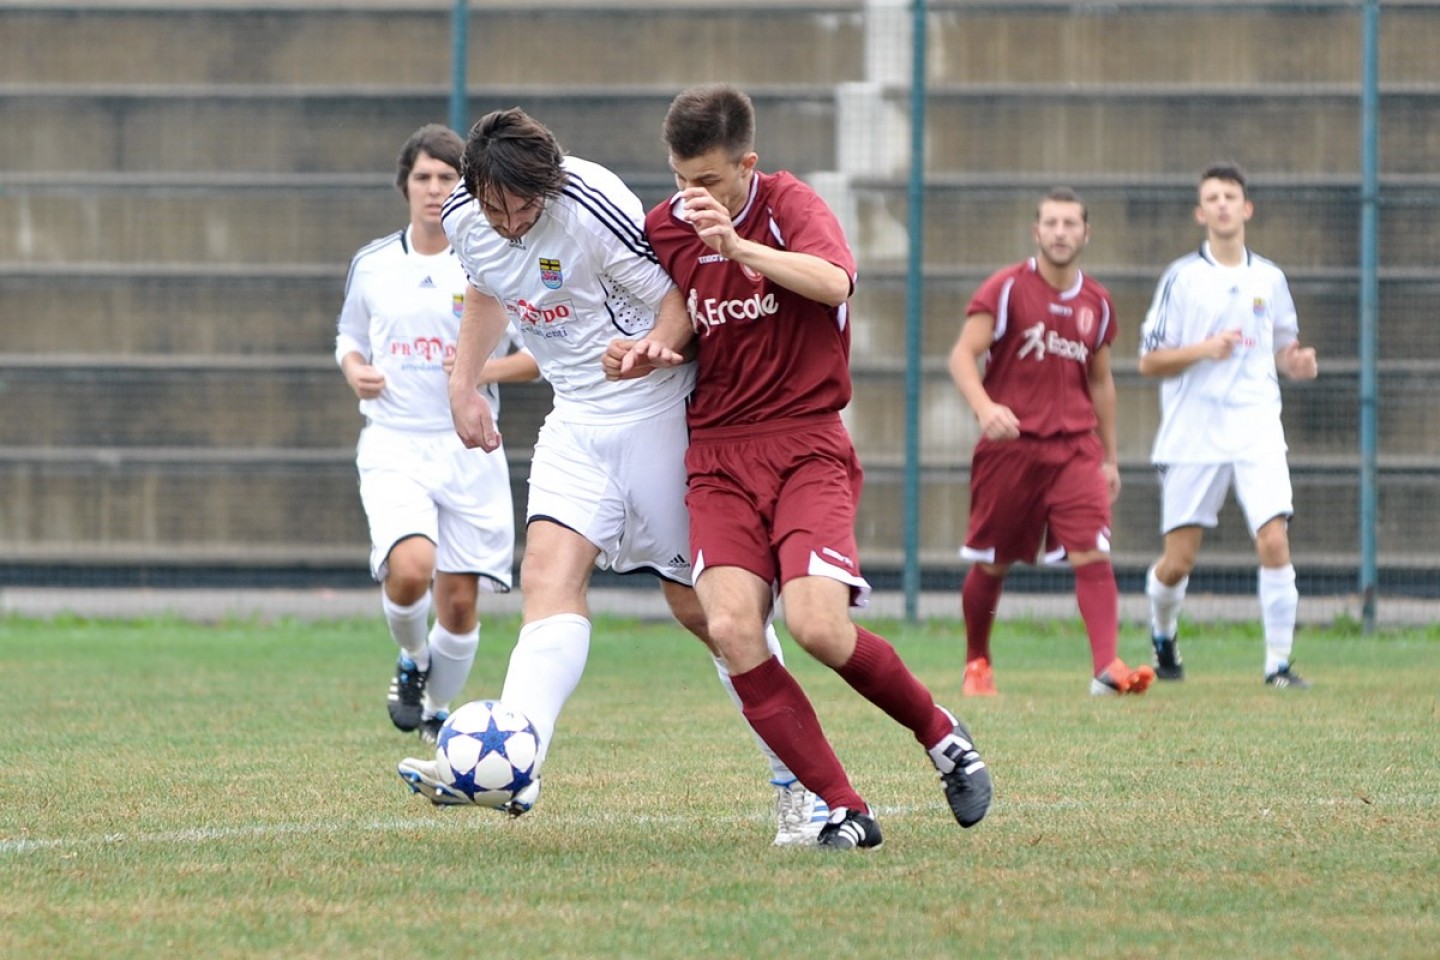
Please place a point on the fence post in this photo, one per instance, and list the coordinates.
(1369, 304)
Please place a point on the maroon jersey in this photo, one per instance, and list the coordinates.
(766, 353)
(1045, 341)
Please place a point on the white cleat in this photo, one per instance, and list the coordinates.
(799, 815)
(423, 777)
(524, 800)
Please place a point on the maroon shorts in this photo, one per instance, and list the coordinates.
(1035, 490)
(776, 499)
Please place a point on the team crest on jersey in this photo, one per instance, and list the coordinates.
(457, 304)
(1259, 306)
(1085, 321)
(550, 273)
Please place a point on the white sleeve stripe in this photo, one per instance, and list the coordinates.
(1002, 310)
(457, 199)
(1162, 307)
(365, 251)
(605, 210)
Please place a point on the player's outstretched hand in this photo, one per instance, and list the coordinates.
(629, 359)
(1299, 363)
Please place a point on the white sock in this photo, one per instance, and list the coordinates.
(545, 668)
(1278, 602)
(1165, 602)
(779, 773)
(451, 657)
(408, 626)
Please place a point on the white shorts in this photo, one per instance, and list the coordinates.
(1193, 493)
(430, 485)
(620, 486)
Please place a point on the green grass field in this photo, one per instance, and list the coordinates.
(174, 790)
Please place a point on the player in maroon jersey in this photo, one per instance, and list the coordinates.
(773, 477)
(1044, 469)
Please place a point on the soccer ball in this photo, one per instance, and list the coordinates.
(487, 751)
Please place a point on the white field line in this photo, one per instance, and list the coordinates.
(464, 820)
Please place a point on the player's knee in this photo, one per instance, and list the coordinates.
(1272, 544)
(827, 639)
(405, 586)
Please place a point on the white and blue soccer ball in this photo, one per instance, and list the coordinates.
(488, 752)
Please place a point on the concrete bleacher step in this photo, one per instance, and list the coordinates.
(299, 507)
(168, 309)
(282, 507)
(234, 402)
(1326, 516)
(1326, 300)
(260, 129)
(1012, 41)
(1321, 416)
(1299, 225)
(324, 219)
(290, 309)
(1024, 41)
(1069, 131)
(564, 45)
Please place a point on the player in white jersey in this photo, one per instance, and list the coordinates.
(1220, 330)
(555, 247)
(437, 512)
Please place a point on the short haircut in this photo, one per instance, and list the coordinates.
(509, 151)
(705, 117)
(433, 139)
(1225, 170)
(1063, 195)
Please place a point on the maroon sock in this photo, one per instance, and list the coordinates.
(876, 671)
(1099, 602)
(979, 599)
(781, 714)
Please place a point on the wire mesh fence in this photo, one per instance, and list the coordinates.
(176, 219)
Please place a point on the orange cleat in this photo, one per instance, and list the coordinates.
(1118, 678)
(979, 679)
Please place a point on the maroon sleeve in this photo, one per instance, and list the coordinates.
(987, 298)
(809, 225)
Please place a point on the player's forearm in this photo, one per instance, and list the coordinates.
(1103, 396)
(974, 341)
(481, 326)
(518, 367)
(1170, 361)
(672, 325)
(803, 273)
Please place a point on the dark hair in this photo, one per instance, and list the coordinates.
(1231, 172)
(434, 139)
(1063, 195)
(703, 118)
(511, 151)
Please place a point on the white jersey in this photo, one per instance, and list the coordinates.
(581, 276)
(402, 313)
(1220, 411)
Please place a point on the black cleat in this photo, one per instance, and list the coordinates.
(1287, 679)
(430, 728)
(1168, 665)
(967, 782)
(849, 830)
(406, 689)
